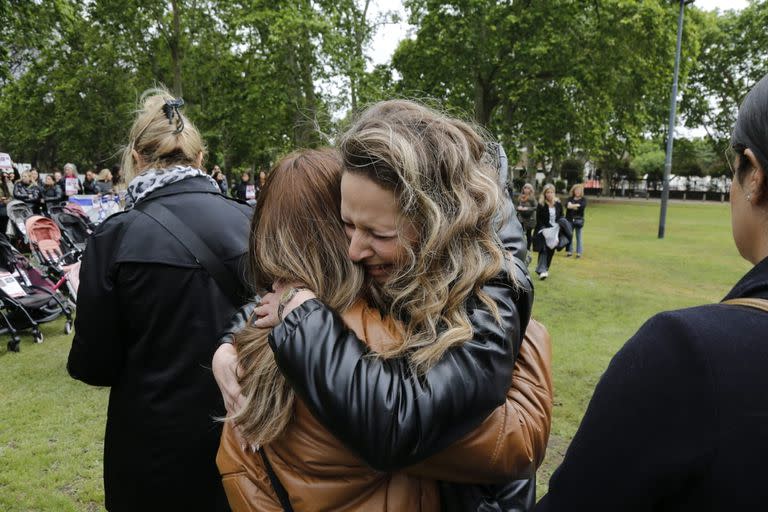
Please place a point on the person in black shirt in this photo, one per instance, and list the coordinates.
(574, 212)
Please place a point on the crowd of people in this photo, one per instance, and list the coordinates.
(362, 340)
(548, 226)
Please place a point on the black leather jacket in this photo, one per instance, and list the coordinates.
(392, 418)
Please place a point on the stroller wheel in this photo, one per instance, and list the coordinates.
(13, 345)
(38, 336)
(68, 327)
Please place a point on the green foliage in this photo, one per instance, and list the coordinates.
(734, 48)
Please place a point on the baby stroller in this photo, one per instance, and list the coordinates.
(75, 225)
(18, 213)
(62, 268)
(27, 299)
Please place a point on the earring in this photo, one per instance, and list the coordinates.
(749, 197)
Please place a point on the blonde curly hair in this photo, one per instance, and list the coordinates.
(446, 185)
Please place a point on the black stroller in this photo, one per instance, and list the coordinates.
(27, 299)
(75, 226)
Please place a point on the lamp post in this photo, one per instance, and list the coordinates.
(671, 131)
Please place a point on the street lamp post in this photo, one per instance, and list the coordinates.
(672, 113)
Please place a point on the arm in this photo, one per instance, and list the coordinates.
(377, 407)
(96, 354)
(511, 442)
(657, 383)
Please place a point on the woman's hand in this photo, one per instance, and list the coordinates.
(267, 312)
(224, 367)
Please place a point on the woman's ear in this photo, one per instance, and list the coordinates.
(137, 159)
(754, 183)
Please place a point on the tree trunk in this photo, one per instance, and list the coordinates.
(175, 47)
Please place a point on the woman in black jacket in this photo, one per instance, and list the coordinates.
(399, 417)
(52, 193)
(149, 314)
(678, 420)
(548, 213)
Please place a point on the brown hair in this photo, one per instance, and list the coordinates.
(296, 235)
(446, 184)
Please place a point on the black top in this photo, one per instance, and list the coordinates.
(53, 194)
(377, 407)
(577, 213)
(148, 318)
(542, 214)
(89, 187)
(679, 420)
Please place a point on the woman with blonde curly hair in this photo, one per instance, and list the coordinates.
(420, 204)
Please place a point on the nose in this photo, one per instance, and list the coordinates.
(359, 247)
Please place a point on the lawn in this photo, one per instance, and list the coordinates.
(52, 427)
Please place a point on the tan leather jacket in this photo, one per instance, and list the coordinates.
(320, 473)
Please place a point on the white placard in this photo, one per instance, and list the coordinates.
(10, 285)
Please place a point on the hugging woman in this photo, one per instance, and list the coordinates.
(427, 356)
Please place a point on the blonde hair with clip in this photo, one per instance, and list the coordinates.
(155, 140)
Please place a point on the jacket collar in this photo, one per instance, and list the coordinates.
(197, 184)
(753, 284)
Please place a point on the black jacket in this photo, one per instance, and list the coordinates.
(89, 187)
(678, 420)
(241, 191)
(378, 408)
(148, 317)
(52, 195)
(542, 214)
(30, 194)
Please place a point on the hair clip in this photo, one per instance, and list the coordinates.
(169, 108)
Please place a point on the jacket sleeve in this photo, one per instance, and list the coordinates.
(383, 412)
(510, 443)
(96, 356)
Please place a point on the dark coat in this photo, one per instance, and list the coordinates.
(678, 420)
(89, 187)
(148, 318)
(241, 190)
(30, 194)
(542, 221)
(53, 195)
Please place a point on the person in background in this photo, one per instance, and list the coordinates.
(221, 179)
(526, 213)
(26, 191)
(149, 314)
(548, 213)
(36, 179)
(117, 177)
(57, 177)
(104, 182)
(51, 192)
(246, 190)
(89, 184)
(574, 212)
(70, 183)
(6, 195)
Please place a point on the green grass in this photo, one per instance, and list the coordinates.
(591, 306)
(52, 427)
